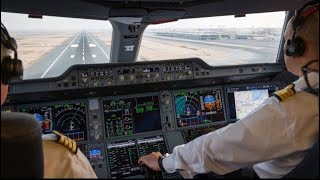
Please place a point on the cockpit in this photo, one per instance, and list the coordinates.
(126, 78)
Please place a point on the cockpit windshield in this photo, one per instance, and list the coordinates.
(50, 45)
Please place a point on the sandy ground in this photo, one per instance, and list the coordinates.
(160, 49)
(31, 48)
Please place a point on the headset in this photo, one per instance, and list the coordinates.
(11, 69)
(295, 46)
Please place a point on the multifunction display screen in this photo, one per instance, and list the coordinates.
(198, 107)
(131, 115)
(243, 99)
(69, 119)
(123, 159)
(123, 156)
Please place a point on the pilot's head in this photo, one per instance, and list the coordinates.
(11, 66)
(302, 39)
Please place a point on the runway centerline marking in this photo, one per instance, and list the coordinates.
(72, 56)
(74, 45)
(92, 45)
(58, 57)
(100, 47)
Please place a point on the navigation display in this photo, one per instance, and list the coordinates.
(69, 119)
(132, 115)
(198, 107)
(243, 99)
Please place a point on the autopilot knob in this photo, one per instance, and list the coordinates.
(121, 78)
(131, 77)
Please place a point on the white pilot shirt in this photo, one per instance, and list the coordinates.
(60, 162)
(273, 138)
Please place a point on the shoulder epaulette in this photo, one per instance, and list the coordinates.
(285, 93)
(67, 142)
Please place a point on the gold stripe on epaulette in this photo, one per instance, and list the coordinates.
(67, 142)
(284, 93)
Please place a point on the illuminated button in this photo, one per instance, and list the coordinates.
(95, 83)
(168, 78)
(84, 80)
(148, 76)
(189, 72)
(132, 77)
(157, 75)
(109, 82)
(121, 78)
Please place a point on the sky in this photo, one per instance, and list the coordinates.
(16, 22)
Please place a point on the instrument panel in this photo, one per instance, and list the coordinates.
(114, 129)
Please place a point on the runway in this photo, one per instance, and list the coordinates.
(83, 48)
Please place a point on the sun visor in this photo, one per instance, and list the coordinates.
(163, 16)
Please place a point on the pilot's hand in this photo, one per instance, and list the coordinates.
(151, 160)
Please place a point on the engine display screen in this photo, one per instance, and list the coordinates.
(132, 115)
(151, 144)
(243, 99)
(123, 159)
(198, 107)
(69, 119)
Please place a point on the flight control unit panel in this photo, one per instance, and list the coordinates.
(114, 131)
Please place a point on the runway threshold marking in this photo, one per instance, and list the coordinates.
(58, 57)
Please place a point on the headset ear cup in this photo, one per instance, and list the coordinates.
(11, 69)
(294, 47)
(4, 70)
(299, 47)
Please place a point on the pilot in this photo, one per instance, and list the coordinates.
(272, 138)
(62, 158)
